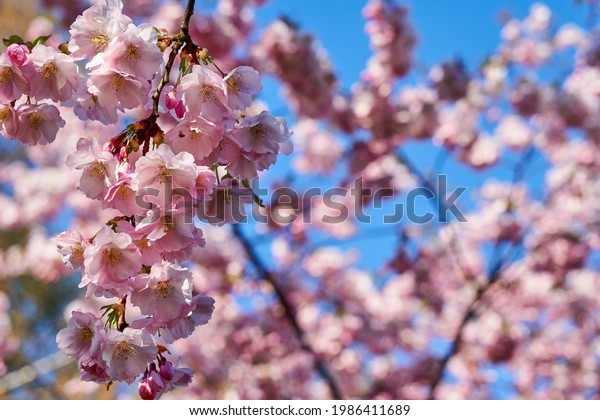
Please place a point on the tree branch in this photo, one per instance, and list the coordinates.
(183, 37)
(319, 365)
(496, 268)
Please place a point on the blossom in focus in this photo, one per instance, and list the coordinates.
(127, 353)
(83, 338)
(164, 292)
(99, 167)
(38, 124)
(110, 261)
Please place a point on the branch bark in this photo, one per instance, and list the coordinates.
(320, 366)
(182, 38)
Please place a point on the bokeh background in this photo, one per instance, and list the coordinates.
(384, 308)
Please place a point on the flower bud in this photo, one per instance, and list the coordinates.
(203, 54)
(155, 382)
(145, 390)
(167, 371)
(17, 53)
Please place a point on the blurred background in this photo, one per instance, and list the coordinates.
(500, 96)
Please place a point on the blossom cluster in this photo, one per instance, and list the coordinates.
(154, 181)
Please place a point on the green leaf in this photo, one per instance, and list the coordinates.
(40, 40)
(13, 39)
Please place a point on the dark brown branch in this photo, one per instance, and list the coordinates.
(182, 38)
(319, 365)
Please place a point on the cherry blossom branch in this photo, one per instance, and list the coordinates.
(183, 37)
(494, 273)
(320, 366)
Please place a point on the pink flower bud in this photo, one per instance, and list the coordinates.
(155, 382)
(180, 109)
(17, 53)
(170, 100)
(167, 371)
(145, 390)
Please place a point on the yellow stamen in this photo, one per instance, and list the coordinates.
(48, 70)
(113, 255)
(163, 174)
(142, 243)
(5, 75)
(208, 93)
(258, 131)
(86, 334)
(35, 120)
(96, 170)
(234, 84)
(132, 53)
(124, 192)
(118, 82)
(168, 223)
(99, 40)
(4, 113)
(164, 290)
(124, 351)
(77, 253)
(196, 135)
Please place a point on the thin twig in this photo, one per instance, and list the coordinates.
(183, 37)
(288, 308)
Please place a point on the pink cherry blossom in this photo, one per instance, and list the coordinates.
(8, 121)
(197, 136)
(261, 134)
(114, 87)
(127, 353)
(72, 246)
(204, 93)
(92, 32)
(170, 229)
(206, 181)
(88, 108)
(38, 124)
(13, 83)
(162, 171)
(135, 52)
(121, 195)
(164, 293)
(240, 84)
(84, 337)
(110, 261)
(99, 167)
(199, 312)
(174, 100)
(94, 370)
(54, 75)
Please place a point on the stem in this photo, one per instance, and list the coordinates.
(122, 323)
(262, 270)
(183, 37)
